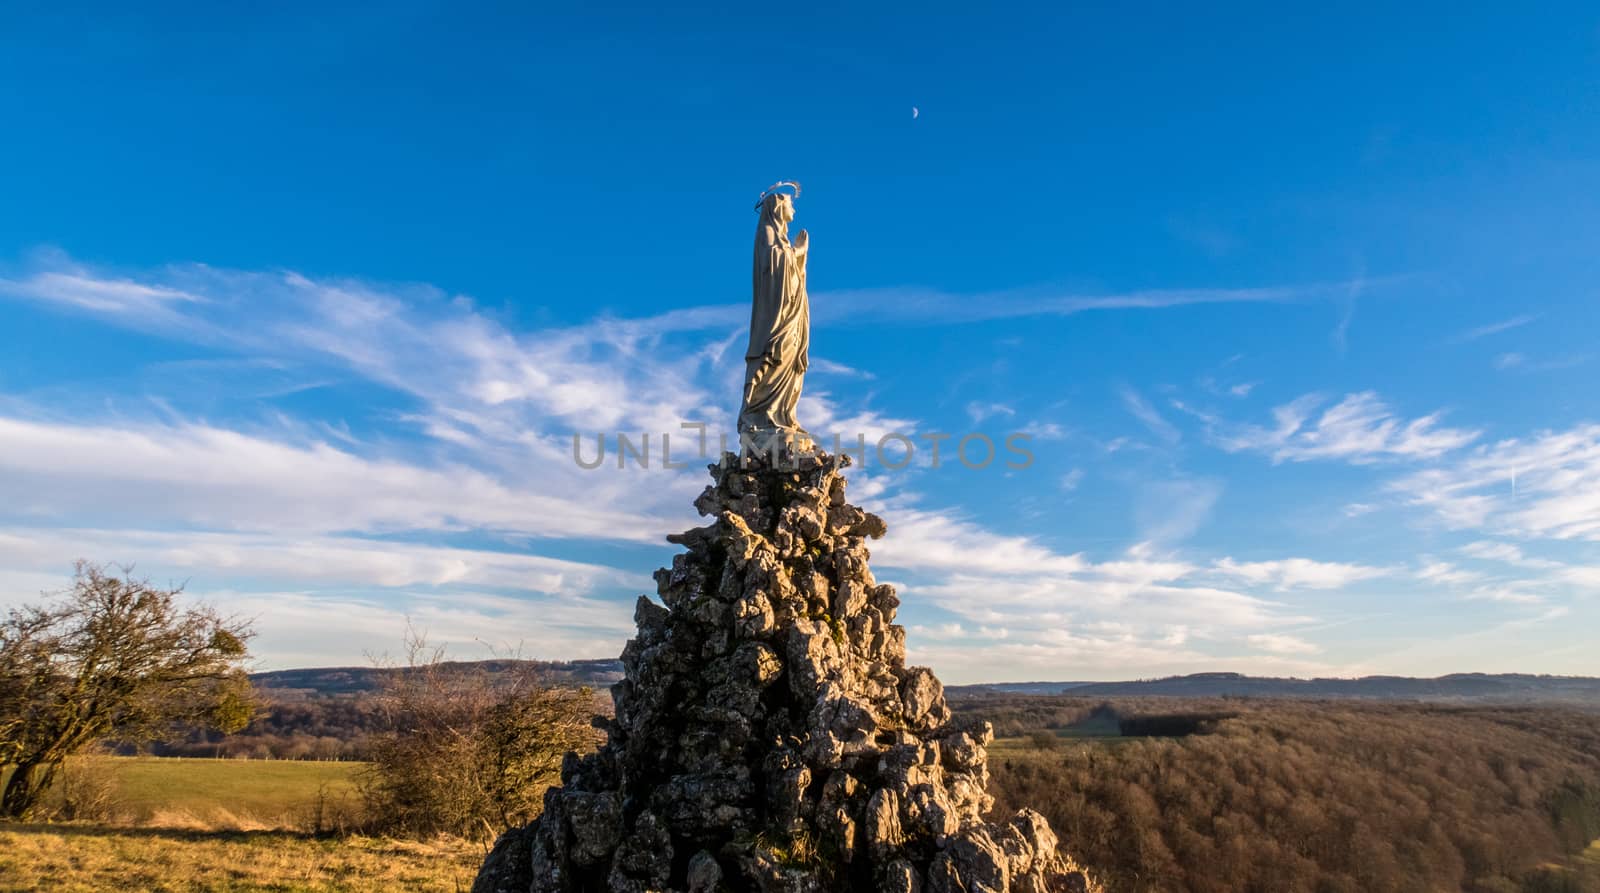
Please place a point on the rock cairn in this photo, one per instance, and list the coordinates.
(768, 735)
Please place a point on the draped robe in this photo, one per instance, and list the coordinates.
(780, 327)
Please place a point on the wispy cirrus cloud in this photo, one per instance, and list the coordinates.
(100, 295)
(1494, 328)
(1149, 416)
(1445, 573)
(1169, 510)
(1299, 573)
(1518, 362)
(1503, 572)
(1546, 486)
(1506, 553)
(1032, 607)
(924, 305)
(1280, 644)
(979, 411)
(301, 628)
(1361, 429)
(349, 597)
(197, 475)
(318, 560)
(356, 525)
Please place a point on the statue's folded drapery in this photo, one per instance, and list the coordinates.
(780, 324)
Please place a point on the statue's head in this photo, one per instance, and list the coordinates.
(776, 205)
(779, 207)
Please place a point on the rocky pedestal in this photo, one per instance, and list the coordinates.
(769, 736)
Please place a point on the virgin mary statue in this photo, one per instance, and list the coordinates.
(780, 323)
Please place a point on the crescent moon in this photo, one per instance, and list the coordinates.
(913, 112)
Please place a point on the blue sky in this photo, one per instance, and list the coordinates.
(304, 306)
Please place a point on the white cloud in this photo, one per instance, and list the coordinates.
(931, 305)
(58, 279)
(1359, 429)
(299, 629)
(1543, 487)
(1524, 363)
(1280, 644)
(944, 632)
(339, 561)
(1071, 480)
(1170, 511)
(1238, 390)
(829, 367)
(923, 540)
(1495, 328)
(1477, 585)
(301, 504)
(87, 292)
(1062, 615)
(1298, 573)
(352, 596)
(468, 367)
(1506, 553)
(1147, 414)
(1044, 431)
(1444, 573)
(1493, 551)
(980, 411)
(194, 474)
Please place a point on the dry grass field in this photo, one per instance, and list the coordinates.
(70, 858)
(204, 794)
(197, 825)
(248, 795)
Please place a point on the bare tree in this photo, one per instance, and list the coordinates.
(111, 658)
(467, 751)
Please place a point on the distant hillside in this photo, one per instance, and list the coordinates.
(331, 712)
(322, 682)
(1500, 688)
(1015, 688)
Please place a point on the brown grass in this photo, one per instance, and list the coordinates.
(213, 795)
(70, 858)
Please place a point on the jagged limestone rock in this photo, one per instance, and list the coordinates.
(768, 735)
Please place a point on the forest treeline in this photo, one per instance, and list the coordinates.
(1313, 796)
(334, 713)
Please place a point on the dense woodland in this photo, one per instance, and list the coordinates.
(1312, 796)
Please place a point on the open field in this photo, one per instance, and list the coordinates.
(250, 795)
(270, 793)
(71, 858)
(224, 825)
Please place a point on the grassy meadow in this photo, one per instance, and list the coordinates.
(222, 825)
(236, 794)
(72, 857)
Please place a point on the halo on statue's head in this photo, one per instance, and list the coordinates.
(793, 184)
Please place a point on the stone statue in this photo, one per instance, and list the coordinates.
(780, 324)
(767, 735)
